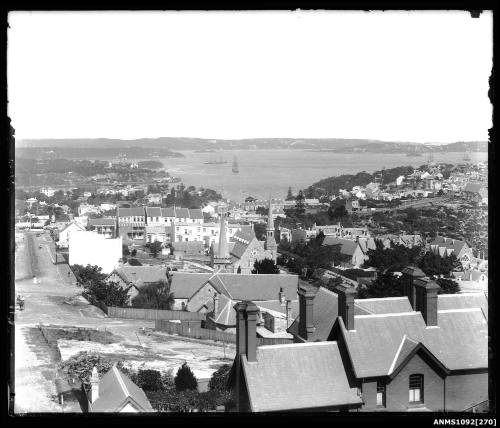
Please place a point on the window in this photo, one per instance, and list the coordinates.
(416, 388)
(380, 394)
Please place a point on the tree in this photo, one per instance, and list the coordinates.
(433, 264)
(300, 204)
(156, 295)
(261, 211)
(133, 253)
(239, 269)
(155, 248)
(386, 285)
(265, 266)
(88, 274)
(448, 286)
(219, 379)
(289, 195)
(134, 262)
(110, 293)
(185, 378)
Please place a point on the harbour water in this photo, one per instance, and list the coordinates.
(269, 173)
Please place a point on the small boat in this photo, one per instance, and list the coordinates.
(235, 168)
(215, 162)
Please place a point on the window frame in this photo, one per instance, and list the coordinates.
(382, 390)
(416, 383)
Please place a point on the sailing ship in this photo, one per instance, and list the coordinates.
(235, 168)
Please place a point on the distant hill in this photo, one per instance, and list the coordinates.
(339, 145)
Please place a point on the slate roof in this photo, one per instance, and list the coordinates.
(215, 247)
(473, 187)
(182, 213)
(185, 284)
(127, 212)
(298, 376)
(255, 287)
(245, 234)
(105, 221)
(238, 249)
(168, 212)
(347, 246)
(116, 390)
(195, 214)
(325, 311)
(367, 244)
(463, 301)
(141, 274)
(451, 244)
(153, 211)
(458, 342)
(189, 247)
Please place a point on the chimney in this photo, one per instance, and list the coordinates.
(346, 295)
(306, 294)
(252, 312)
(281, 295)
(288, 313)
(94, 385)
(246, 330)
(216, 305)
(426, 300)
(410, 275)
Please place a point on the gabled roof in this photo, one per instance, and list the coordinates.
(256, 287)
(141, 274)
(186, 284)
(473, 187)
(367, 244)
(298, 376)
(246, 234)
(189, 246)
(116, 390)
(325, 311)
(458, 342)
(347, 246)
(182, 213)
(238, 249)
(215, 247)
(73, 223)
(450, 244)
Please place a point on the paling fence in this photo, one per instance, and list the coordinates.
(208, 334)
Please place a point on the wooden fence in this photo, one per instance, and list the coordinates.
(207, 334)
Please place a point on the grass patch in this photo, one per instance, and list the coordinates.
(52, 335)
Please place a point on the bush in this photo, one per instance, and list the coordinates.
(149, 380)
(219, 380)
(185, 378)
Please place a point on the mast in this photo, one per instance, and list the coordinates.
(235, 165)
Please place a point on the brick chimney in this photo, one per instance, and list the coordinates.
(288, 313)
(426, 302)
(94, 385)
(346, 295)
(246, 329)
(306, 294)
(410, 275)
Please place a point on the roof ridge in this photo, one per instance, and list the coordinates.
(308, 344)
(380, 298)
(387, 315)
(118, 374)
(444, 311)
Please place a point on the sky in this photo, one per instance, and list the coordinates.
(394, 76)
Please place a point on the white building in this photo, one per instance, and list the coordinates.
(70, 229)
(47, 191)
(95, 249)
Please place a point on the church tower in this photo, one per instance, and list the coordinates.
(270, 244)
(221, 260)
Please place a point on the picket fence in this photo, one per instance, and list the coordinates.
(207, 334)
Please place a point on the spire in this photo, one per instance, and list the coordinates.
(223, 252)
(270, 222)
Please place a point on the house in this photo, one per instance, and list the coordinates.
(133, 278)
(64, 234)
(421, 352)
(472, 280)
(188, 249)
(88, 209)
(350, 249)
(475, 192)
(132, 224)
(116, 393)
(307, 376)
(105, 226)
(195, 291)
(445, 246)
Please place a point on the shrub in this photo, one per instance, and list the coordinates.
(149, 380)
(185, 378)
(219, 380)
